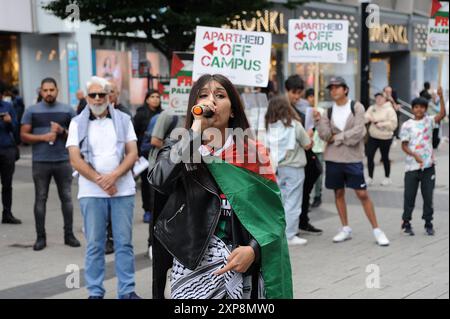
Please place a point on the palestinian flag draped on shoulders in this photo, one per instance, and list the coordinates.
(245, 175)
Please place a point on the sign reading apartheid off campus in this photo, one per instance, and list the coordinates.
(322, 41)
(437, 40)
(180, 82)
(242, 56)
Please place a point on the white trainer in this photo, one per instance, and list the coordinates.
(296, 241)
(386, 182)
(380, 237)
(342, 236)
(369, 181)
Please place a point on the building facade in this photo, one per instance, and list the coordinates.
(35, 44)
(397, 46)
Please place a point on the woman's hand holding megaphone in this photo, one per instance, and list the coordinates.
(202, 113)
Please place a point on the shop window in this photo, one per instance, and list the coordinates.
(9, 60)
(424, 68)
(349, 71)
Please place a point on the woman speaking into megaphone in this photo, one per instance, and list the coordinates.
(205, 112)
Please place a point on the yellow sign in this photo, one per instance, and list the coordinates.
(266, 21)
(386, 33)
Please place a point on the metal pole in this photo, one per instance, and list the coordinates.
(365, 55)
(316, 86)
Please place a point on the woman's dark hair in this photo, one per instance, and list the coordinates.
(280, 109)
(149, 93)
(239, 120)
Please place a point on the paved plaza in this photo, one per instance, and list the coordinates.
(411, 267)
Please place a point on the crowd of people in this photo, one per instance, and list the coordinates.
(219, 224)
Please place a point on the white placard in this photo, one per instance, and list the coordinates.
(241, 56)
(322, 41)
(437, 39)
(180, 89)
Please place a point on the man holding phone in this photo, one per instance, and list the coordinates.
(45, 126)
(8, 153)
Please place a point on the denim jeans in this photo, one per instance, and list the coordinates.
(96, 212)
(290, 180)
(42, 175)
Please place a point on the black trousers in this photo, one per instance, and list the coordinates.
(427, 180)
(146, 192)
(373, 144)
(7, 166)
(162, 259)
(312, 173)
(42, 175)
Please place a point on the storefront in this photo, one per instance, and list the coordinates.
(112, 59)
(9, 59)
(397, 46)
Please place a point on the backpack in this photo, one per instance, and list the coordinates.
(352, 108)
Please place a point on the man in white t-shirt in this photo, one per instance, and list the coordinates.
(102, 148)
(342, 128)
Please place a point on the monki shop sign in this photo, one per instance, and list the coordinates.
(263, 21)
(387, 33)
(242, 56)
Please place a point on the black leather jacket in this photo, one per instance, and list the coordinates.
(190, 217)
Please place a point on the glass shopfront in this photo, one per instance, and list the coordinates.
(112, 59)
(397, 48)
(9, 59)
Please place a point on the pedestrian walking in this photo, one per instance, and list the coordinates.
(382, 121)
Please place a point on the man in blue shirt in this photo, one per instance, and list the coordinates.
(45, 125)
(8, 153)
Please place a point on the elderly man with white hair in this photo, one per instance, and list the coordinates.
(102, 148)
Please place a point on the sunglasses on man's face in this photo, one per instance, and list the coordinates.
(100, 95)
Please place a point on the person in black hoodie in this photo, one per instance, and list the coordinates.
(151, 107)
(8, 154)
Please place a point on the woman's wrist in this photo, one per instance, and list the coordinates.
(197, 126)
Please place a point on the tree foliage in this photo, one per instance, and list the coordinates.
(168, 24)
